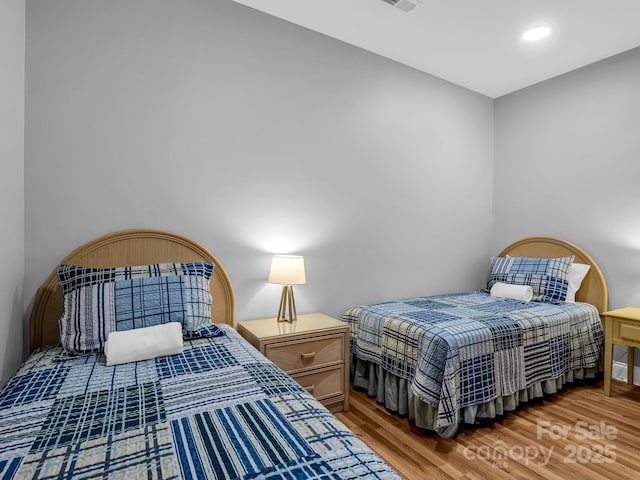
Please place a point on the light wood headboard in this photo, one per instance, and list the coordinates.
(593, 289)
(120, 249)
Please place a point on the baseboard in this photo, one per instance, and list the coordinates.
(619, 372)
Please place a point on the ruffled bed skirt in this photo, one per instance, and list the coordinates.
(396, 394)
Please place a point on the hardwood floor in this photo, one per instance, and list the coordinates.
(578, 433)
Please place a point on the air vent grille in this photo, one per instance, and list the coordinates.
(404, 5)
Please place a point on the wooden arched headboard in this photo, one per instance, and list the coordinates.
(593, 289)
(120, 249)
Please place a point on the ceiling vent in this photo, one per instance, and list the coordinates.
(404, 5)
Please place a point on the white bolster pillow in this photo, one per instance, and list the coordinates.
(524, 293)
(143, 343)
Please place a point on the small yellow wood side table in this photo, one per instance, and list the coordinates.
(621, 327)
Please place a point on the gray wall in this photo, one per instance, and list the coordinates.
(567, 164)
(12, 38)
(252, 136)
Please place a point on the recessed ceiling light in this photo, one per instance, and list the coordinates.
(536, 33)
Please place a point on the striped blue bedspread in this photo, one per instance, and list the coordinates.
(468, 348)
(218, 410)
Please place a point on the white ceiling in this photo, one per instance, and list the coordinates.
(474, 43)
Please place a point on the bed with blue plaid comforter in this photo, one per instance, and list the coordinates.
(467, 349)
(218, 410)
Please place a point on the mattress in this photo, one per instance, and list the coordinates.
(465, 350)
(218, 410)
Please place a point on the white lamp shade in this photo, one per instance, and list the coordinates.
(287, 270)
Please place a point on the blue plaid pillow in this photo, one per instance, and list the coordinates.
(548, 277)
(98, 301)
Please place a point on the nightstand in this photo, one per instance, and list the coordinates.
(314, 350)
(621, 327)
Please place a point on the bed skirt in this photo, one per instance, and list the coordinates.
(396, 395)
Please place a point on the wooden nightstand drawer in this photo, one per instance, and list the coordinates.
(323, 383)
(298, 355)
(629, 332)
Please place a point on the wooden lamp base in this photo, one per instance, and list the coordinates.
(287, 302)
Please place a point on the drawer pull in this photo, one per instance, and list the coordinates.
(307, 356)
(310, 388)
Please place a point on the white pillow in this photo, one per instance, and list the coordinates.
(143, 343)
(524, 293)
(575, 275)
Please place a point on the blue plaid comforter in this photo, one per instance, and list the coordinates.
(218, 410)
(469, 348)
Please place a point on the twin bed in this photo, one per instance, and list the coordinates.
(445, 359)
(217, 409)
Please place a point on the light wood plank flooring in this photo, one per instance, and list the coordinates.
(578, 433)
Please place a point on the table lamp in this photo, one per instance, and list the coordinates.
(287, 270)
